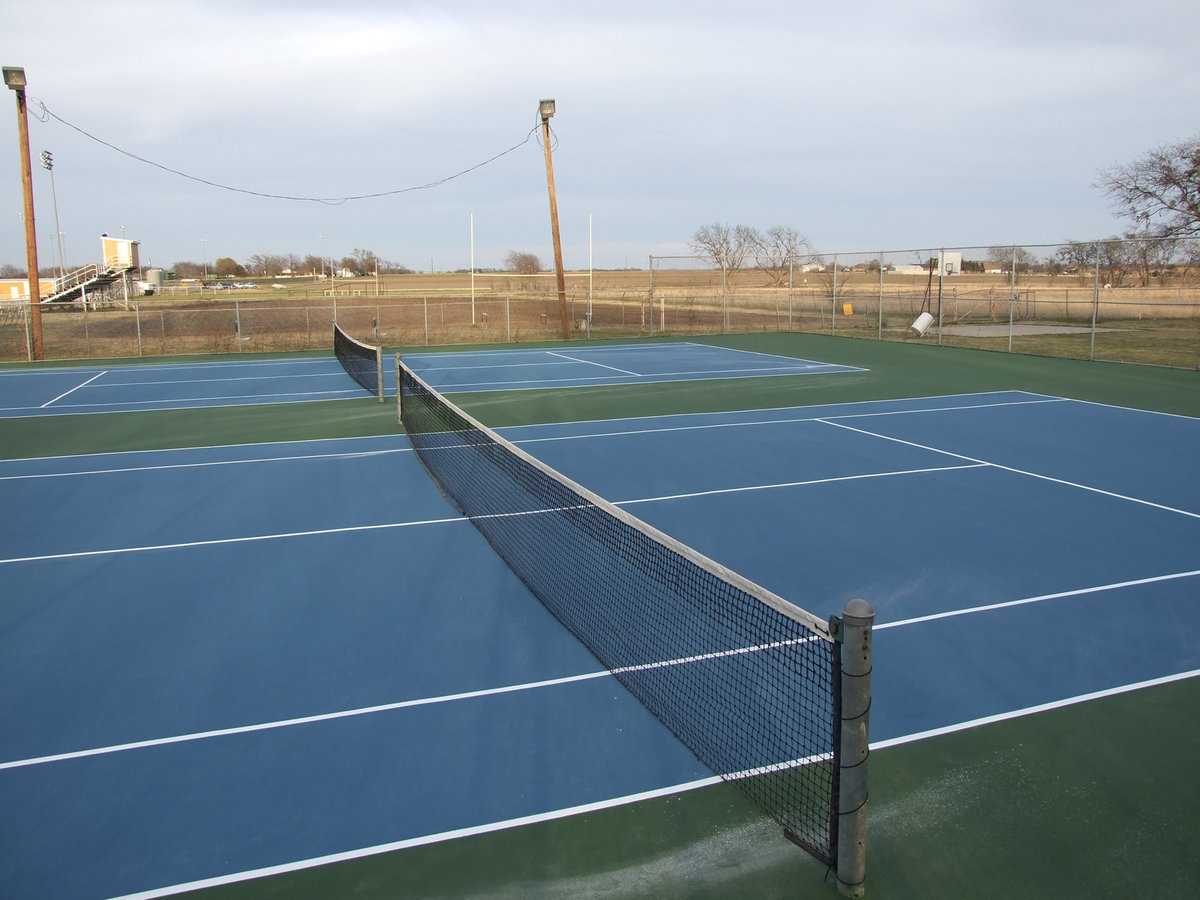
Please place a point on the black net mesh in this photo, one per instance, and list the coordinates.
(362, 362)
(744, 679)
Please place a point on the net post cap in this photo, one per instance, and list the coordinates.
(858, 612)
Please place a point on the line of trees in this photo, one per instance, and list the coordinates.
(272, 265)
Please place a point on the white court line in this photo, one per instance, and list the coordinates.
(85, 409)
(168, 450)
(571, 679)
(791, 420)
(191, 366)
(528, 384)
(422, 841)
(149, 404)
(788, 484)
(588, 362)
(158, 384)
(567, 812)
(1015, 471)
(356, 454)
(302, 720)
(1058, 595)
(74, 389)
(216, 542)
(810, 417)
(1033, 710)
(402, 704)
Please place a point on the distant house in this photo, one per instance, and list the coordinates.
(17, 289)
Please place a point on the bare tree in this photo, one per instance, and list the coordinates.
(1151, 257)
(360, 262)
(1160, 190)
(726, 246)
(522, 263)
(1116, 261)
(1007, 256)
(185, 269)
(266, 264)
(777, 248)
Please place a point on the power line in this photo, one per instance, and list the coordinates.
(46, 114)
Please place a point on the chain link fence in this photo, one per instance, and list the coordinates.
(1132, 301)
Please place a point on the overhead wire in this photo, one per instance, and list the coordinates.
(47, 114)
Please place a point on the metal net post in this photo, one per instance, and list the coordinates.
(857, 622)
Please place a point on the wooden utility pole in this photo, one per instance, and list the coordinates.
(546, 108)
(14, 77)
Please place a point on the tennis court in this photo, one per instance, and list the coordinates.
(292, 666)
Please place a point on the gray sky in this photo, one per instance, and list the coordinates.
(873, 125)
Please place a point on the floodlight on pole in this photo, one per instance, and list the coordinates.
(14, 79)
(546, 111)
(48, 165)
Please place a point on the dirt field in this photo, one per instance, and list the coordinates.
(1158, 324)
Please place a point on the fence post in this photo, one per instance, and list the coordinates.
(854, 747)
(1095, 301)
(791, 288)
(650, 297)
(882, 266)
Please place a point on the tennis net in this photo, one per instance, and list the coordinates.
(747, 681)
(362, 362)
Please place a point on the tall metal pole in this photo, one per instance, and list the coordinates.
(48, 165)
(15, 78)
(472, 268)
(546, 109)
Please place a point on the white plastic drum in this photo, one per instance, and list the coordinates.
(924, 320)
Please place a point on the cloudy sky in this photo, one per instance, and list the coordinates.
(873, 125)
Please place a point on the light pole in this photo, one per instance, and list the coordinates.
(546, 110)
(14, 77)
(204, 255)
(48, 165)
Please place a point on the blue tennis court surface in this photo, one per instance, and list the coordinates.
(128, 388)
(223, 662)
(606, 365)
(125, 388)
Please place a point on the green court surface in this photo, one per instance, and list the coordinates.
(1096, 799)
